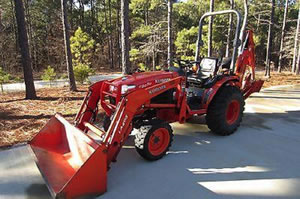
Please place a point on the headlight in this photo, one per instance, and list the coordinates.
(112, 88)
(126, 88)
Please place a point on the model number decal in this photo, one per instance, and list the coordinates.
(158, 81)
(123, 124)
(155, 90)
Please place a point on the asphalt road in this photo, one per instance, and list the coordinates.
(260, 161)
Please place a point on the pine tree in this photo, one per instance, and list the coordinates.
(68, 53)
(170, 39)
(23, 42)
(270, 38)
(125, 36)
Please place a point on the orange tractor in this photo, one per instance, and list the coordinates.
(75, 164)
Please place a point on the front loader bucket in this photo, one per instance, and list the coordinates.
(71, 162)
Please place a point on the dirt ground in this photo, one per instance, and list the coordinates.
(285, 78)
(21, 119)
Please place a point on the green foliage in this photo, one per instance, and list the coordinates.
(158, 67)
(186, 41)
(141, 33)
(82, 72)
(49, 74)
(143, 67)
(63, 76)
(148, 42)
(139, 5)
(82, 47)
(16, 79)
(134, 54)
(90, 43)
(4, 78)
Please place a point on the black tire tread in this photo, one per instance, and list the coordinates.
(215, 117)
(142, 137)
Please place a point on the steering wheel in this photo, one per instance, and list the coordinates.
(185, 64)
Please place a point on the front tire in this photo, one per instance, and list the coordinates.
(153, 141)
(225, 111)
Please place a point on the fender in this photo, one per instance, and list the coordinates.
(211, 92)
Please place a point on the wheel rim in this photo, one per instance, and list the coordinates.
(159, 141)
(233, 111)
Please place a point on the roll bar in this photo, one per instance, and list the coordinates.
(236, 42)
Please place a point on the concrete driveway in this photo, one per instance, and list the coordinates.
(261, 160)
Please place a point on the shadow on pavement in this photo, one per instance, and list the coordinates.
(37, 191)
(248, 164)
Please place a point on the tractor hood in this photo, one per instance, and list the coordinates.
(145, 79)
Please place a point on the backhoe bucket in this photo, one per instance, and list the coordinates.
(71, 162)
(255, 87)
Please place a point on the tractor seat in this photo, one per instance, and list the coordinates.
(208, 68)
(226, 61)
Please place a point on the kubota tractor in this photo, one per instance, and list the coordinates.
(74, 164)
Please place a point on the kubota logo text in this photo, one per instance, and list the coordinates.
(157, 89)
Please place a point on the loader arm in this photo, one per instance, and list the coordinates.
(89, 108)
(121, 124)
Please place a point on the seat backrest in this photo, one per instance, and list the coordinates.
(208, 67)
(226, 61)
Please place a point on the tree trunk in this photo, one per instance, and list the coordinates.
(147, 14)
(118, 26)
(210, 29)
(1, 25)
(14, 26)
(31, 35)
(243, 28)
(23, 42)
(93, 19)
(81, 9)
(153, 60)
(111, 37)
(269, 45)
(282, 35)
(296, 43)
(229, 29)
(170, 40)
(66, 30)
(298, 62)
(28, 28)
(258, 22)
(125, 36)
(71, 12)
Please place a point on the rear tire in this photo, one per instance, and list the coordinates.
(153, 141)
(225, 112)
